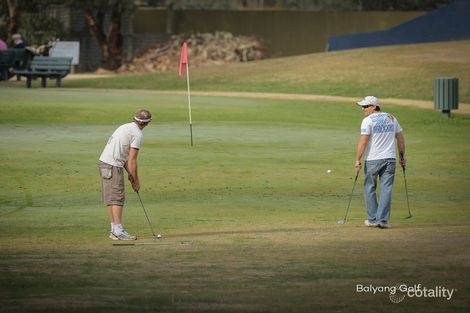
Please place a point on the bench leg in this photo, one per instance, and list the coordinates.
(28, 82)
(43, 82)
(58, 82)
(18, 78)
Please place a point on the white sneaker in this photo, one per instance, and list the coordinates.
(125, 236)
(113, 236)
(384, 225)
(370, 224)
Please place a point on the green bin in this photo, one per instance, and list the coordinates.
(446, 94)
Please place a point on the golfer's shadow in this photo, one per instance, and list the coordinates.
(246, 232)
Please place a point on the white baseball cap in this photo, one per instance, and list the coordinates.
(369, 100)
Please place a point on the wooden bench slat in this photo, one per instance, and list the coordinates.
(50, 63)
(47, 67)
(50, 68)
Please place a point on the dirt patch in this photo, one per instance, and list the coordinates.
(464, 108)
(89, 76)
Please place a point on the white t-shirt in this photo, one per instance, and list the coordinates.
(381, 128)
(116, 151)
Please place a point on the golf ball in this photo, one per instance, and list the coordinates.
(328, 171)
(159, 236)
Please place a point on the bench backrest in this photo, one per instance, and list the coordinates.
(51, 64)
(20, 54)
(7, 58)
(16, 58)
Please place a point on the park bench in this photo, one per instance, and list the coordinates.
(7, 61)
(17, 59)
(47, 67)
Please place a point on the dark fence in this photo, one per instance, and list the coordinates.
(284, 33)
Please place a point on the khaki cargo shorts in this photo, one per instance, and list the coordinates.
(112, 184)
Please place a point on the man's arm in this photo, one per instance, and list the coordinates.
(401, 147)
(361, 147)
(132, 169)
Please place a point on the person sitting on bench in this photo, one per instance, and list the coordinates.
(3, 45)
(18, 42)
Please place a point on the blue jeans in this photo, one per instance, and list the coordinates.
(385, 170)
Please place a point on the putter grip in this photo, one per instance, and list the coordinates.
(402, 157)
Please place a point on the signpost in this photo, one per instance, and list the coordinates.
(70, 49)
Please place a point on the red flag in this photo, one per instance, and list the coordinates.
(184, 59)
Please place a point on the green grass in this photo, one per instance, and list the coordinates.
(252, 195)
(389, 72)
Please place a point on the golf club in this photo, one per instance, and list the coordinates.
(146, 215)
(160, 243)
(341, 222)
(402, 157)
(134, 244)
(406, 191)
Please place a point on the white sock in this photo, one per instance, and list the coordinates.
(117, 229)
(112, 228)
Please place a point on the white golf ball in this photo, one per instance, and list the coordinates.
(159, 236)
(328, 171)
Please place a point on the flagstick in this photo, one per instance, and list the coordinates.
(189, 105)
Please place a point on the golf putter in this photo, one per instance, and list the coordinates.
(160, 243)
(406, 190)
(343, 221)
(148, 220)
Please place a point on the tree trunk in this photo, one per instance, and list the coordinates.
(110, 44)
(360, 6)
(115, 38)
(13, 14)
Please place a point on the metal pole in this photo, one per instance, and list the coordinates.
(189, 105)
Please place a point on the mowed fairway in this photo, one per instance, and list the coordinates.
(252, 201)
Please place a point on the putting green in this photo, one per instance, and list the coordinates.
(253, 196)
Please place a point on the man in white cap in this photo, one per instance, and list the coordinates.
(377, 143)
(18, 42)
(121, 153)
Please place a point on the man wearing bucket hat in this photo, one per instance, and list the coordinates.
(121, 153)
(377, 144)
